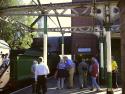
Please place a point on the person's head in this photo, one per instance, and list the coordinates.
(40, 59)
(65, 58)
(35, 62)
(6, 55)
(93, 59)
(3, 56)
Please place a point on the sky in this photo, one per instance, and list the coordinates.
(64, 21)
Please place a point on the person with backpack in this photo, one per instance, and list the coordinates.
(82, 70)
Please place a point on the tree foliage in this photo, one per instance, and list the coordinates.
(11, 31)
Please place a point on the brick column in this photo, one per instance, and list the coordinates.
(122, 23)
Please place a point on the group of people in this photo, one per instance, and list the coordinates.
(65, 72)
(4, 61)
(88, 73)
(66, 69)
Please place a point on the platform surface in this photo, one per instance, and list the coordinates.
(76, 90)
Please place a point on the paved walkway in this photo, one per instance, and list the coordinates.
(52, 90)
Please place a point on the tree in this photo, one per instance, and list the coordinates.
(12, 31)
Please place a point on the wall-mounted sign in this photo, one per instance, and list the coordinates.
(86, 50)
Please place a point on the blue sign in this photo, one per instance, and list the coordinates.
(84, 49)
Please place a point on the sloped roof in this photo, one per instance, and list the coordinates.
(4, 45)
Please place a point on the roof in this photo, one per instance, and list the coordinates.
(4, 45)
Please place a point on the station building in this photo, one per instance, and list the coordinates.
(88, 44)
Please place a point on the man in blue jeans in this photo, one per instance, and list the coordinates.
(94, 73)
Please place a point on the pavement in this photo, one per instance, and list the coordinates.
(52, 90)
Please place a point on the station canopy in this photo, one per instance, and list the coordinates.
(57, 10)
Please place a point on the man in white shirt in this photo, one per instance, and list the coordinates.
(41, 73)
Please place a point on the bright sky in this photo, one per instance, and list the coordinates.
(64, 21)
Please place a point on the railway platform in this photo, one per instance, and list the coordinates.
(52, 89)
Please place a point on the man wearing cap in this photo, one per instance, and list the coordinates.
(41, 73)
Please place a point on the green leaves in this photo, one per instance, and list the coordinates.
(13, 32)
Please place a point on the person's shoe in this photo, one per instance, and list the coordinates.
(98, 90)
(91, 89)
(57, 88)
(81, 87)
(62, 88)
(115, 87)
(70, 87)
